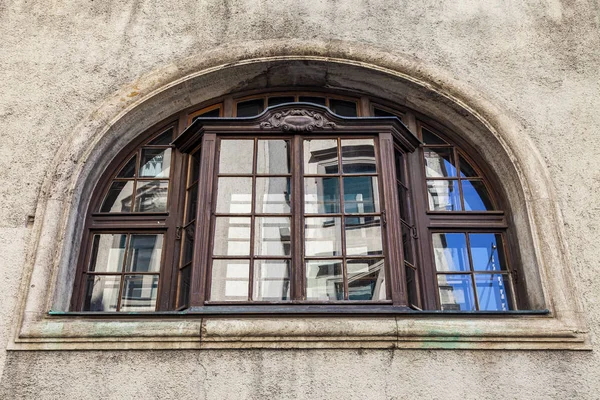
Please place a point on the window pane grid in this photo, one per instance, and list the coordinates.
(264, 223)
(460, 175)
(458, 285)
(254, 105)
(187, 231)
(144, 252)
(336, 274)
(139, 193)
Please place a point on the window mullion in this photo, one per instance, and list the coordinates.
(298, 221)
(395, 259)
(169, 273)
(201, 258)
(420, 201)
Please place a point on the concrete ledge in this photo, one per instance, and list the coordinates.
(526, 333)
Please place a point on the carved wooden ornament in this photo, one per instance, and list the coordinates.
(297, 120)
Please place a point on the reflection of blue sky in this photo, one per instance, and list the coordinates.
(451, 252)
(456, 291)
(473, 198)
(491, 291)
(484, 251)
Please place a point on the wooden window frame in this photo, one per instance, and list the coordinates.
(296, 121)
(422, 221)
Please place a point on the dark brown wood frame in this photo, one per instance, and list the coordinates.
(391, 132)
(297, 120)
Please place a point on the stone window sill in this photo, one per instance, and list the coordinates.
(198, 330)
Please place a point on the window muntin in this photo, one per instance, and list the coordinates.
(188, 230)
(453, 184)
(472, 195)
(251, 236)
(472, 271)
(253, 232)
(342, 221)
(142, 184)
(123, 272)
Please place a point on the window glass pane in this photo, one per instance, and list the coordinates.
(439, 162)
(321, 195)
(234, 195)
(192, 203)
(324, 280)
(366, 279)
(108, 251)
(184, 286)
(430, 138)
(273, 101)
(139, 293)
(273, 157)
(456, 292)
(151, 196)
(358, 156)
(492, 292)
(272, 236)
(412, 284)
(232, 236)
(443, 195)
(128, 171)
(312, 99)
(102, 293)
(450, 251)
(230, 280)
(164, 139)
(400, 169)
(407, 244)
(320, 157)
(273, 195)
(188, 244)
(402, 199)
(361, 194)
(466, 170)
(487, 252)
(236, 156)
(476, 196)
(119, 197)
(144, 254)
(271, 280)
(378, 112)
(323, 236)
(250, 108)
(343, 108)
(363, 236)
(156, 163)
(209, 114)
(195, 167)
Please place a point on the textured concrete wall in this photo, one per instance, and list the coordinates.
(537, 60)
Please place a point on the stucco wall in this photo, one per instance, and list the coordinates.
(538, 61)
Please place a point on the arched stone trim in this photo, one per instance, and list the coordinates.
(499, 138)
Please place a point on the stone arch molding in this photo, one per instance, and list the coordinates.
(503, 143)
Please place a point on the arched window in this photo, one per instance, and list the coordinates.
(331, 203)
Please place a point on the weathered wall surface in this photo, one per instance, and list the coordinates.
(537, 60)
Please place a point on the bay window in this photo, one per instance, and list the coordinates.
(303, 208)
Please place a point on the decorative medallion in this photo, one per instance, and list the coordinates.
(297, 120)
